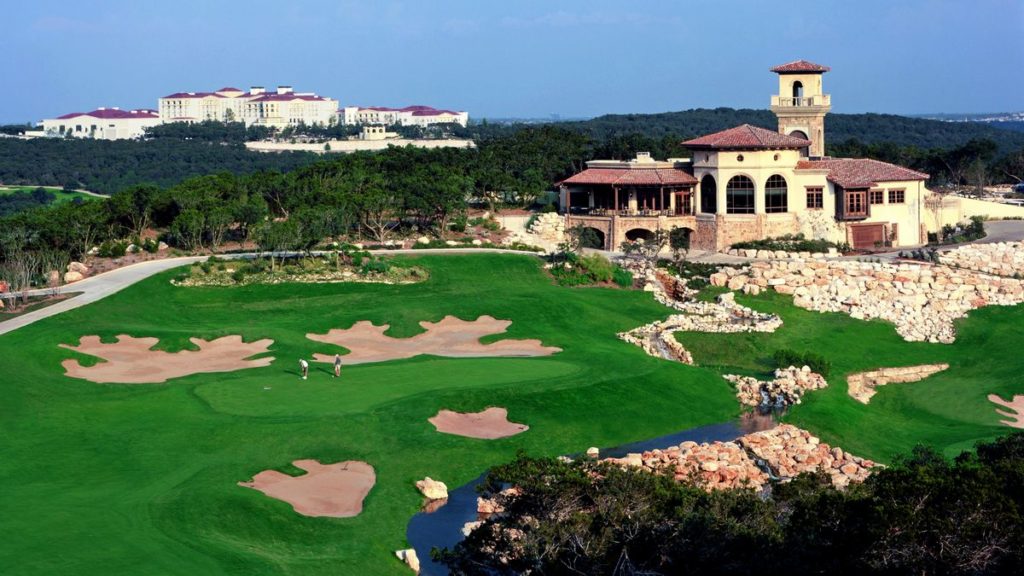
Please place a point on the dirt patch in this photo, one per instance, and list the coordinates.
(334, 490)
(1016, 412)
(490, 424)
(132, 361)
(451, 337)
(861, 386)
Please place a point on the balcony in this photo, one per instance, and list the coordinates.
(801, 102)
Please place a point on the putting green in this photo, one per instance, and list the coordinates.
(142, 479)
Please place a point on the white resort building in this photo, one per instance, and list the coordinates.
(279, 109)
(102, 124)
(749, 183)
(408, 116)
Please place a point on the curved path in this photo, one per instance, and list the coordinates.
(102, 285)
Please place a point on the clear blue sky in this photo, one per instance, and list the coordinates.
(514, 58)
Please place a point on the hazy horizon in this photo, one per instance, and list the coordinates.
(520, 59)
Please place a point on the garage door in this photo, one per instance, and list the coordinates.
(868, 236)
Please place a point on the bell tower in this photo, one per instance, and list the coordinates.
(801, 105)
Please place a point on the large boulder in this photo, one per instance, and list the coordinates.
(432, 489)
(70, 277)
(409, 557)
(78, 267)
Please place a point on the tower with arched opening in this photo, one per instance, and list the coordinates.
(801, 105)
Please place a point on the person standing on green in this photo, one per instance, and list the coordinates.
(305, 368)
(337, 365)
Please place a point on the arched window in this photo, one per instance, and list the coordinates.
(804, 152)
(708, 195)
(739, 195)
(776, 198)
(798, 89)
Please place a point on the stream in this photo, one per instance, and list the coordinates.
(442, 527)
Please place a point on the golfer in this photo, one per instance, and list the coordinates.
(305, 368)
(337, 365)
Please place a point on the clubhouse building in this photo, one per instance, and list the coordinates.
(748, 183)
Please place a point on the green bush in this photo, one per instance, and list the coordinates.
(150, 245)
(622, 277)
(238, 275)
(548, 208)
(113, 249)
(792, 243)
(378, 266)
(599, 268)
(785, 358)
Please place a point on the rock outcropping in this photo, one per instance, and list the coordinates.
(786, 389)
(998, 259)
(752, 460)
(862, 384)
(920, 299)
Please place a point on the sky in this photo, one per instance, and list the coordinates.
(500, 59)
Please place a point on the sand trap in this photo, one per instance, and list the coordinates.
(130, 360)
(450, 337)
(335, 490)
(490, 424)
(1016, 405)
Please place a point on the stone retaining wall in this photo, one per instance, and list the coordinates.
(862, 385)
(999, 259)
(920, 299)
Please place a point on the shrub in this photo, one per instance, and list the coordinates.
(792, 243)
(599, 268)
(378, 266)
(238, 275)
(548, 208)
(459, 224)
(622, 277)
(150, 245)
(785, 358)
(112, 249)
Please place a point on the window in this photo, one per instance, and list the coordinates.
(815, 198)
(708, 195)
(897, 197)
(776, 195)
(876, 196)
(739, 195)
(739, 158)
(855, 203)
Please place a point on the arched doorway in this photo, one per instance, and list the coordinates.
(798, 90)
(592, 238)
(708, 194)
(805, 151)
(739, 195)
(639, 233)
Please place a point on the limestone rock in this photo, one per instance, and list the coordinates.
(409, 557)
(72, 276)
(432, 489)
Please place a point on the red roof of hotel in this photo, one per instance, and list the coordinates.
(860, 172)
(285, 97)
(416, 110)
(747, 137)
(632, 177)
(193, 95)
(228, 89)
(799, 66)
(113, 113)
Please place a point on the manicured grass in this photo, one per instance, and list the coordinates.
(949, 410)
(61, 195)
(141, 479)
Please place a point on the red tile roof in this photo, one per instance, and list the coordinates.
(416, 110)
(799, 66)
(285, 97)
(193, 95)
(113, 113)
(632, 177)
(747, 137)
(860, 172)
(228, 89)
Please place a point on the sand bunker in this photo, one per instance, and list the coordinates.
(130, 360)
(1016, 413)
(450, 337)
(490, 424)
(335, 490)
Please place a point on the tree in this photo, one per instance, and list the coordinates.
(646, 250)
(133, 207)
(188, 228)
(278, 236)
(679, 243)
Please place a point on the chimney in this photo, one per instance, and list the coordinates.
(284, 89)
(643, 157)
(256, 90)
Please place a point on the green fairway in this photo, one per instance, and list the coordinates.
(141, 479)
(150, 471)
(61, 195)
(949, 410)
